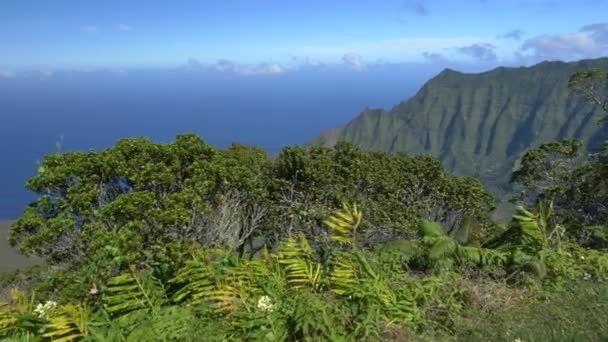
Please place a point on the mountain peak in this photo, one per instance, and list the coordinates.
(480, 124)
(448, 71)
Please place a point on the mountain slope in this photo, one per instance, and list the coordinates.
(479, 124)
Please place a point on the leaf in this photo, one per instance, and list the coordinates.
(442, 248)
(431, 229)
(342, 276)
(133, 291)
(344, 224)
(70, 324)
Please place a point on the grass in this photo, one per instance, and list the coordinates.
(576, 312)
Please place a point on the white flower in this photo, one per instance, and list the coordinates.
(265, 304)
(46, 309)
(94, 290)
(582, 257)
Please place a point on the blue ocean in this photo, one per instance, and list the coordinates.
(91, 110)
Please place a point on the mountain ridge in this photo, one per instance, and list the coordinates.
(479, 124)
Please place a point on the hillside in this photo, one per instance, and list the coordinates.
(479, 124)
(10, 258)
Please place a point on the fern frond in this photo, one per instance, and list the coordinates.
(225, 297)
(70, 324)
(17, 316)
(301, 271)
(344, 224)
(197, 285)
(366, 266)
(343, 275)
(133, 291)
(8, 320)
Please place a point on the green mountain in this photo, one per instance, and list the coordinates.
(479, 124)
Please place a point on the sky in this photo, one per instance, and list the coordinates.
(254, 37)
(264, 72)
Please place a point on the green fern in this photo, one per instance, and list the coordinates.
(70, 324)
(301, 271)
(344, 224)
(197, 285)
(174, 323)
(133, 291)
(343, 275)
(8, 320)
(16, 317)
(233, 284)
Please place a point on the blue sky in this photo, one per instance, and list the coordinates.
(273, 36)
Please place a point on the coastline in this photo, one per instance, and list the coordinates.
(10, 258)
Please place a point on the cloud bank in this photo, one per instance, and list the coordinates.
(588, 42)
(463, 53)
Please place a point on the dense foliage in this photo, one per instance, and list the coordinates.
(480, 124)
(182, 241)
(573, 179)
(149, 203)
(335, 292)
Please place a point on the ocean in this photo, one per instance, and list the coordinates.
(91, 110)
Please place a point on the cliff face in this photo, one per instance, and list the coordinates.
(479, 124)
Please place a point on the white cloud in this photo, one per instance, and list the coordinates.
(435, 58)
(7, 74)
(353, 61)
(588, 42)
(390, 49)
(479, 51)
(228, 66)
(598, 32)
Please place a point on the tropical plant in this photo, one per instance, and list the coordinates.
(444, 250)
(344, 224)
(17, 318)
(70, 323)
(134, 291)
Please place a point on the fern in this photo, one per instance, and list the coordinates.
(7, 319)
(223, 287)
(301, 271)
(343, 275)
(197, 284)
(344, 224)
(174, 323)
(133, 291)
(70, 324)
(16, 317)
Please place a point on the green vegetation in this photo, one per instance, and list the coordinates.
(182, 241)
(481, 124)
